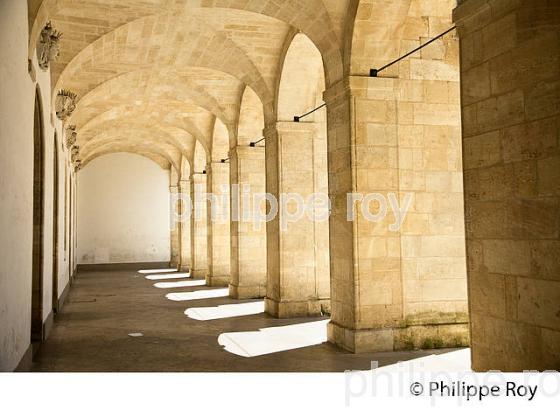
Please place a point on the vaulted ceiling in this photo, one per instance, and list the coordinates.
(154, 76)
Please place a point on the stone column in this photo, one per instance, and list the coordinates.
(186, 246)
(219, 271)
(397, 141)
(199, 227)
(298, 277)
(248, 241)
(175, 236)
(510, 73)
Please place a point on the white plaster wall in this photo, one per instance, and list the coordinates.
(44, 83)
(16, 179)
(17, 95)
(123, 211)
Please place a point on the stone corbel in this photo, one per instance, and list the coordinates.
(65, 104)
(71, 136)
(48, 48)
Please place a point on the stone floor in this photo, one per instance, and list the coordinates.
(91, 333)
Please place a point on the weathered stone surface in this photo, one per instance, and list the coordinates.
(510, 73)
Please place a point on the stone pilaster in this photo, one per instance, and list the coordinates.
(199, 227)
(395, 287)
(298, 271)
(175, 235)
(248, 241)
(186, 247)
(510, 79)
(219, 272)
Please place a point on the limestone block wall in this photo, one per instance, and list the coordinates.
(510, 72)
(186, 247)
(298, 276)
(219, 259)
(199, 226)
(248, 241)
(175, 234)
(397, 288)
(432, 240)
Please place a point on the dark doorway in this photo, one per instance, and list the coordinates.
(38, 218)
(55, 227)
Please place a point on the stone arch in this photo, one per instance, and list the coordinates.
(383, 31)
(113, 143)
(200, 158)
(157, 158)
(220, 141)
(313, 19)
(323, 23)
(207, 48)
(178, 133)
(298, 272)
(171, 85)
(251, 119)
(301, 82)
(185, 168)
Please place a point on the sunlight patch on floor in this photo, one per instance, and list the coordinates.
(181, 284)
(274, 339)
(169, 276)
(198, 294)
(168, 270)
(456, 361)
(225, 311)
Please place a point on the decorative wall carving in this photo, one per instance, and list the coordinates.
(77, 165)
(48, 47)
(65, 104)
(71, 136)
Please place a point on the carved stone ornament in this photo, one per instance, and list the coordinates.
(48, 48)
(65, 104)
(75, 150)
(77, 165)
(71, 136)
(74, 157)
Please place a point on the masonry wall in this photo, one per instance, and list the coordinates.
(510, 72)
(123, 211)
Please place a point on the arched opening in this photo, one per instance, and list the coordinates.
(55, 225)
(298, 273)
(251, 119)
(247, 180)
(302, 82)
(123, 211)
(395, 141)
(38, 220)
(218, 211)
(199, 225)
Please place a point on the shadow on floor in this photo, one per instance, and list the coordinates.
(91, 333)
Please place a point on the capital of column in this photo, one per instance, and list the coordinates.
(174, 189)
